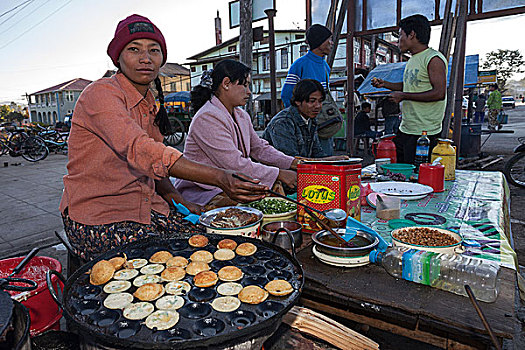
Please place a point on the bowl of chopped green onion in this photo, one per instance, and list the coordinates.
(275, 209)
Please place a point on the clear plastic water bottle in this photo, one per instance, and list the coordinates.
(443, 271)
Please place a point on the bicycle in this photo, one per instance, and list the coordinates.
(178, 133)
(31, 148)
(514, 169)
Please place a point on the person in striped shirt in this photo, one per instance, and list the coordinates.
(311, 66)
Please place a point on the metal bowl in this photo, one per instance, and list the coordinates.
(251, 230)
(357, 251)
(446, 249)
(270, 229)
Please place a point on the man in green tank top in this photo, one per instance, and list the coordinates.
(423, 90)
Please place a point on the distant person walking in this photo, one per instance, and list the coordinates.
(479, 111)
(390, 111)
(495, 106)
(313, 66)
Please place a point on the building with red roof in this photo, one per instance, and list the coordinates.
(52, 104)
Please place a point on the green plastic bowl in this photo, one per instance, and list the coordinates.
(399, 168)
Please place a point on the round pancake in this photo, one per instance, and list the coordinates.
(117, 262)
(246, 249)
(118, 300)
(196, 266)
(160, 257)
(178, 288)
(136, 263)
(149, 292)
(125, 274)
(177, 261)
(152, 269)
(279, 287)
(226, 304)
(198, 241)
(138, 311)
(227, 244)
(162, 319)
(230, 274)
(169, 302)
(144, 279)
(205, 279)
(229, 288)
(173, 274)
(202, 255)
(117, 286)
(101, 272)
(253, 295)
(224, 254)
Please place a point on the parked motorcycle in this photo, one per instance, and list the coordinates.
(514, 169)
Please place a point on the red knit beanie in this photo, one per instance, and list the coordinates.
(131, 28)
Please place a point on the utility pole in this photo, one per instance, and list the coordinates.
(273, 84)
(246, 40)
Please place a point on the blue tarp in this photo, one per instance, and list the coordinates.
(181, 96)
(393, 72)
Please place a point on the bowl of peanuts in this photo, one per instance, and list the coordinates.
(431, 239)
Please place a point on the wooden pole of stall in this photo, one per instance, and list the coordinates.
(273, 83)
(246, 40)
(461, 38)
(350, 22)
(337, 33)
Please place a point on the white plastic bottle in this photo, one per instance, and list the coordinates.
(443, 271)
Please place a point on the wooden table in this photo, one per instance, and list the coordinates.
(369, 295)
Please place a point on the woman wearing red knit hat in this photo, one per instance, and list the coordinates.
(117, 188)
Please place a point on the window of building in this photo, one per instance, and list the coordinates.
(302, 50)
(357, 51)
(188, 86)
(204, 67)
(299, 36)
(232, 48)
(69, 96)
(173, 87)
(368, 52)
(284, 58)
(265, 61)
(193, 69)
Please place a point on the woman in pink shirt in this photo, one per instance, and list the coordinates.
(117, 188)
(221, 134)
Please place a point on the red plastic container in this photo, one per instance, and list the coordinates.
(386, 148)
(44, 312)
(326, 186)
(433, 176)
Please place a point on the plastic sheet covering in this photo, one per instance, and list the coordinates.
(393, 72)
(476, 204)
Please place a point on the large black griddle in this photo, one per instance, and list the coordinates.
(199, 324)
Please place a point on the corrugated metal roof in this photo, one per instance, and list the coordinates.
(77, 84)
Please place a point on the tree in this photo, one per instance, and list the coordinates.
(506, 63)
(4, 111)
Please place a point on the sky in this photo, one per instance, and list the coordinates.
(48, 42)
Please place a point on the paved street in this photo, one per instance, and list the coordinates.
(30, 194)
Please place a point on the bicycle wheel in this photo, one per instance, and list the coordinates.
(16, 141)
(179, 132)
(34, 149)
(514, 170)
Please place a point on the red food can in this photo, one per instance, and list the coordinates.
(433, 176)
(328, 186)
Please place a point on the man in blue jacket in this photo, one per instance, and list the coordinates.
(311, 66)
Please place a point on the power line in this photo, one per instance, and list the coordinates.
(21, 19)
(14, 8)
(51, 14)
(14, 14)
